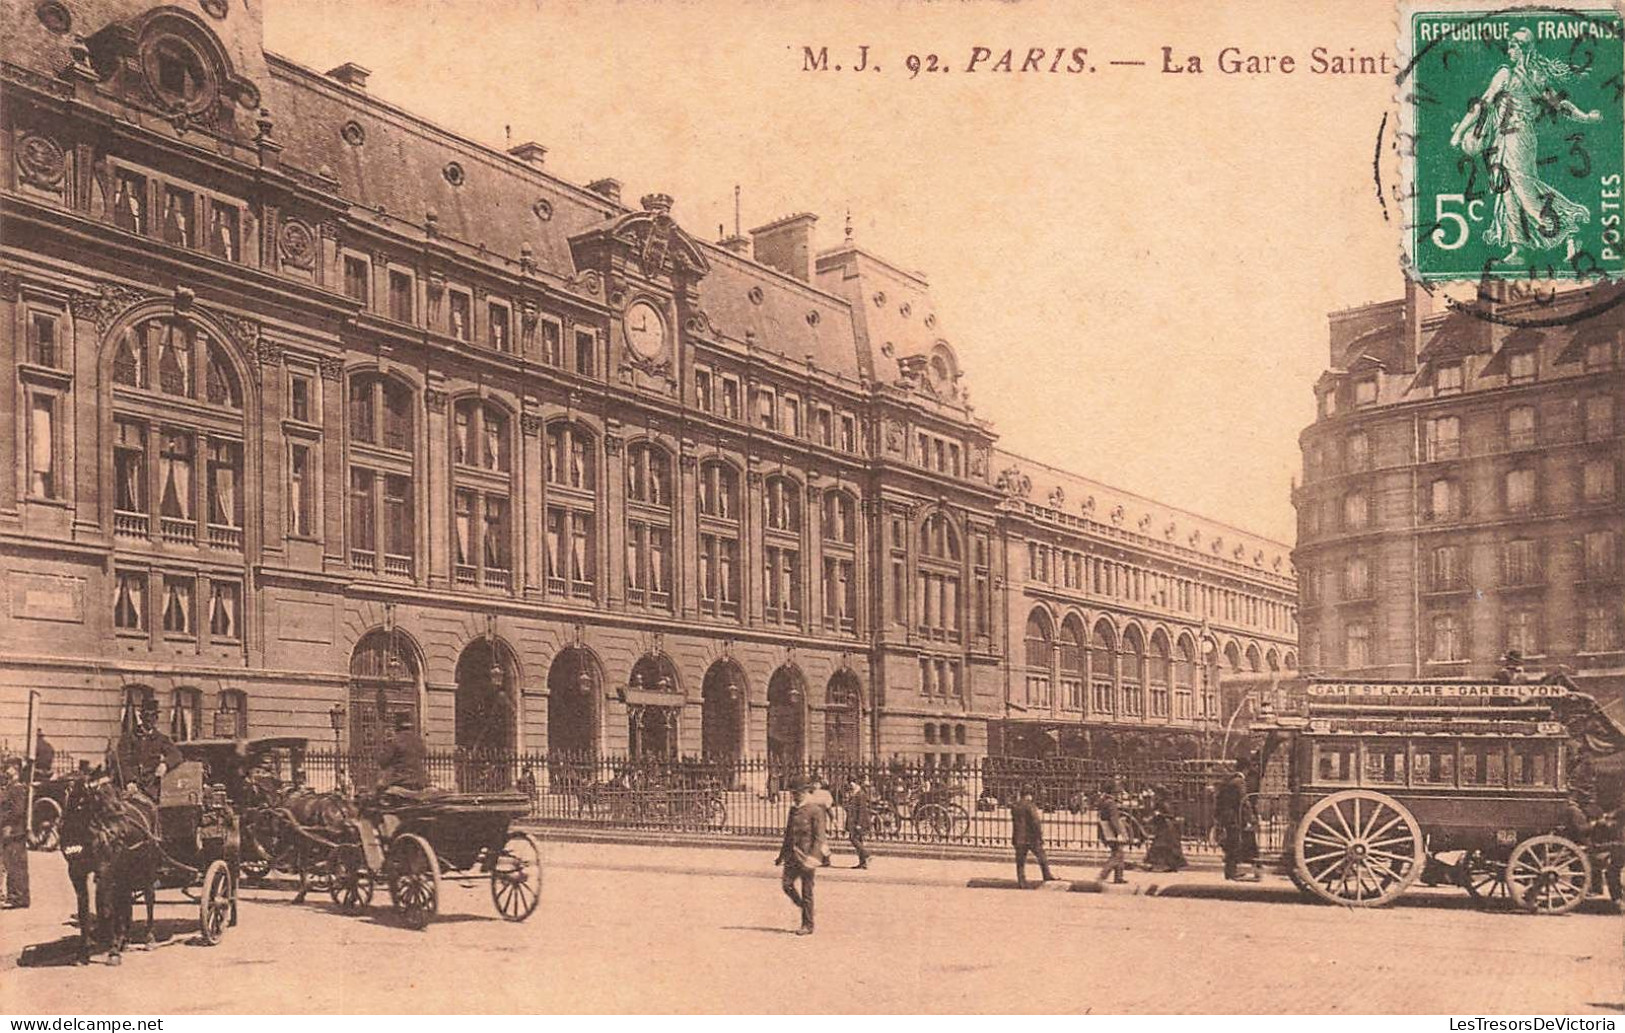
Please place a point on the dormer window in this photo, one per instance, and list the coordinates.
(1599, 355)
(1328, 403)
(177, 72)
(1447, 379)
(1365, 392)
(1521, 367)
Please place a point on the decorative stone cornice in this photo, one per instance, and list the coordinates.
(332, 367)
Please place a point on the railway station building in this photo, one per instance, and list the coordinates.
(321, 413)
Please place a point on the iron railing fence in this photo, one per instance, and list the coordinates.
(909, 802)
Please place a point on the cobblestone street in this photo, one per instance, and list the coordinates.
(625, 928)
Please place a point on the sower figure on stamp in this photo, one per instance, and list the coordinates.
(1027, 836)
(1114, 832)
(803, 851)
(1234, 815)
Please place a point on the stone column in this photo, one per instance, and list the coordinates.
(434, 486)
(614, 503)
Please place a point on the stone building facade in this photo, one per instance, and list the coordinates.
(322, 413)
(1461, 491)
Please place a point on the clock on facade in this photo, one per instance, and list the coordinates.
(645, 330)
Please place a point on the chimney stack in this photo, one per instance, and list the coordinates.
(350, 74)
(530, 152)
(786, 245)
(607, 188)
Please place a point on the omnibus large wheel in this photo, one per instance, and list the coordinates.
(1548, 875)
(1358, 848)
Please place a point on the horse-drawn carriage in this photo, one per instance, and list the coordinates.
(1389, 779)
(132, 846)
(413, 842)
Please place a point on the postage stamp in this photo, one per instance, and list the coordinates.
(1512, 127)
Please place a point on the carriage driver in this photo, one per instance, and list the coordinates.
(401, 760)
(144, 754)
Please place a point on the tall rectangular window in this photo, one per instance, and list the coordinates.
(42, 447)
(704, 398)
(1520, 490)
(730, 398)
(766, 408)
(43, 346)
(301, 490)
(791, 421)
(301, 398)
(397, 515)
(586, 352)
(1357, 644)
(177, 227)
(363, 525)
(459, 313)
(1522, 366)
(1519, 562)
(1597, 478)
(178, 599)
(1601, 555)
(849, 433)
(552, 343)
(1599, 417)
(357, 279)
(401, 306)
(223, 230)
(1447, 643)
(1601, 631)
(225, 600)
(130, 600)
(498, 333)
(130, 201)
(1447, 379)
(1443, 438)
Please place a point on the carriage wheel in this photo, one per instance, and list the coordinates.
(933, 819)
(1358, 848)
(45, 833)
(413, 877)
(516, 877)
(349, 880)
(1548, 875)
(714, 813)
(1484, 880)
(884, 821)
(214, 904)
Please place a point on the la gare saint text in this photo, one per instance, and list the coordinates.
(1320, 60)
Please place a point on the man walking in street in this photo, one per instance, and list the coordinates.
(1027, 836)
(1113, 832)
(1233, 814)
(857, 819)
(14, 833)
(804, 849)
(818, 793)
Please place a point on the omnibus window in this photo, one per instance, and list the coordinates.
(1483, 764)
(1532, 764)
(1433, 764)
(1384, 763)
(1334, 762)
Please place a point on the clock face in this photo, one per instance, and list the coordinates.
(645, 330)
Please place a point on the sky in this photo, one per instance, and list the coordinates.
(1134, 266)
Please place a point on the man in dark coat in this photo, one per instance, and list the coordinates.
(803, 851)
(144, 755)
(1233, 814)
(857, 819)
(1027, 836)
(403, 760)
(14, 833)
(44, 756)
(1113, 832)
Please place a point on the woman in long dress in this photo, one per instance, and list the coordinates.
(1528, 211)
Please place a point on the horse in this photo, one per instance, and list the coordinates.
(113, 837)
(288, 824)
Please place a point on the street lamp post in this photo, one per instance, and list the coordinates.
(1210, 648)
(335, 718)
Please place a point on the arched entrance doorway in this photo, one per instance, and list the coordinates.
(843, 717)
(384, 681)
(786, 721)
(486, 716)
(653, 701)
(573, 684)
(722, 712)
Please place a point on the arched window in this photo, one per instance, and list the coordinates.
(482, 508)
(1184, 680)
(1102, 669)
(839, 529)
(648, 526)
(177, 468)
(572, 510)
(781, 509)
(939, 577)
(718, 547)
(383, 521)
(1133, 674)
(1040, 656)
(1157, 680)
(1071, 656)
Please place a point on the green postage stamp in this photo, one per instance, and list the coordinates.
(1513, 135)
